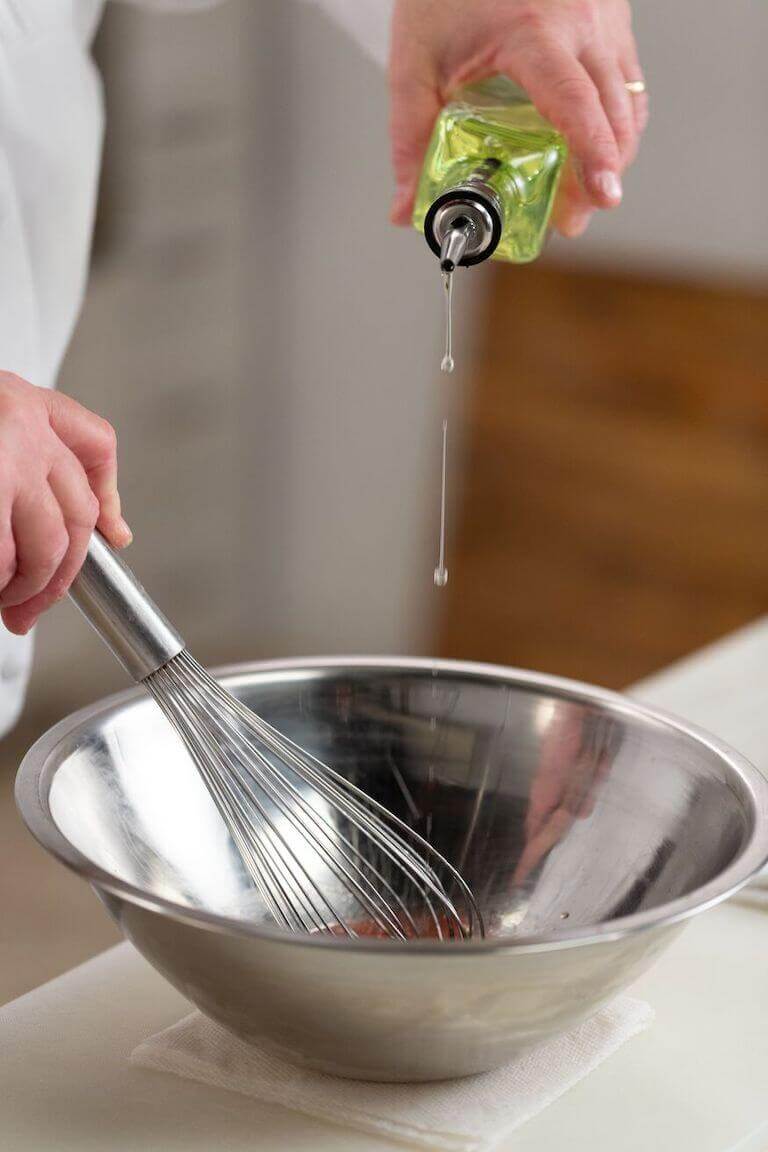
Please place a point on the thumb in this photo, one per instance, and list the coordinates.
(415, 105)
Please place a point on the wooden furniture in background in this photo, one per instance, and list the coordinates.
(615, 489)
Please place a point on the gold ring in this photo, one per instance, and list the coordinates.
(636, 87)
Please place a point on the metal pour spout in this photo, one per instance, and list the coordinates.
(454, 245)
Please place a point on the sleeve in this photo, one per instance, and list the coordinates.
(51, 125)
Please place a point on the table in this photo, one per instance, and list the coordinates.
(695, 1079)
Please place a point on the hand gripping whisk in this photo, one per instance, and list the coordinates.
(323, 856)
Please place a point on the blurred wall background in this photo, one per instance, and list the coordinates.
(263, 341)
(615, 493)
(267, 347)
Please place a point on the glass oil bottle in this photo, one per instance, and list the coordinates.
(489, 177)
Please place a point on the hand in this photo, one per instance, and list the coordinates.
(572, 57)
(577, 754)
(58, 481)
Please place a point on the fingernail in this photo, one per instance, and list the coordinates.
(125, 533)
(609, 186)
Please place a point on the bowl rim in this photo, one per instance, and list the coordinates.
(36, 772)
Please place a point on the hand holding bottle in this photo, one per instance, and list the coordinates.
(574, 58)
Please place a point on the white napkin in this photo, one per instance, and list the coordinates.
(468, 1115)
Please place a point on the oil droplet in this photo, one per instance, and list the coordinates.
(447, 364)
(441, 572)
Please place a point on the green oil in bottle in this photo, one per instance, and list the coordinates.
(492, 167)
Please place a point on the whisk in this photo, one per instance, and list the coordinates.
(322, 854)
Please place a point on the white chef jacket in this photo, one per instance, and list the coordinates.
(51, 127)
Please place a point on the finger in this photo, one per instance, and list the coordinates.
(632, 72)
(580, 786)
(41, 544)
(617, 102)
(80, 510)
(7, 553)
(571, 224)
(414, 108)
(551, 783)
(553, 777)
(573, 209)
(537, 848)
(544, 800)
(588, 806)
(94, 443)
(564, 92)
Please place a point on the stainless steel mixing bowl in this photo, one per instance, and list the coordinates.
(589, 827)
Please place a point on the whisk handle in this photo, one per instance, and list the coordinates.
(112, 600)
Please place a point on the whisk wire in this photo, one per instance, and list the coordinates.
(287, 750)
(250, 851)
(249, 836)
(258, 777)
(302, 816)
(421, 875)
